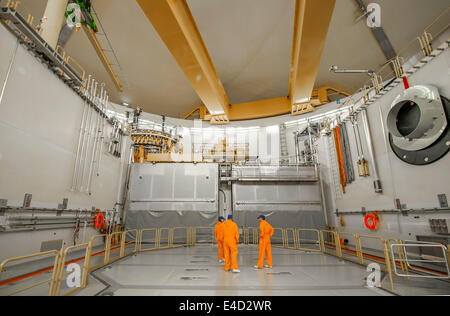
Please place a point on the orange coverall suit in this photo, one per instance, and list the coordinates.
(230, 241)
(218, 232)
(266, 231)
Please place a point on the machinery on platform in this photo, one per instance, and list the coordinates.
(152, 144)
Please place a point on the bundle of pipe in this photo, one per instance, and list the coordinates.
(377, 182)
(91, 136)
(42, 220)
(363, 166)
(115, 144)
(340, 159)
(346, 153)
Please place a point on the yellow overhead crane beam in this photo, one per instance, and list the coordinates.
(103, 58)
(175, 24)
(270, 107)
(311, 24)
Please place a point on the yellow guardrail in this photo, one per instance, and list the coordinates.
(254, 233)
(52, 281)
(62, 264)
(209, 235)
(350, 252)
(245, 232)
(143, 240)
(413, 54)
(291, 232)
(162, 236)
(179, 241)
(109, 248)
(281, 239)
(331, 242)
(308, 240)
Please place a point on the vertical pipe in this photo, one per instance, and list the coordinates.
(126, 185)
(101, 127)
(102, 139)
(324, 202)
(84, 147)
(80, 136)
(90, 132)
(8, 73)
(95, 140)
(377, 182)
(311, 150)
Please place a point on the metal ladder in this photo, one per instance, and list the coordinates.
(334, 171)
(284, 154)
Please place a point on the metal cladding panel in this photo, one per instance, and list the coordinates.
(269, 194)
(281, 219)
(174, 187)
(273, 171)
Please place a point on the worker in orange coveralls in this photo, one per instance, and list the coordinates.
(230, 242)
(265, 232)
(218, 232)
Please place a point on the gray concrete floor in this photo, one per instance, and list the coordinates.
(195, 271)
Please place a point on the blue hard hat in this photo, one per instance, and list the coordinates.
(230, 216)
(261, 216)
(221, 217)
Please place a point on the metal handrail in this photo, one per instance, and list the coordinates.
(335, 238)
(161, 230)
(358, 248)
(141, 239)
(62, 264)
(174, 229)
(407, 260)
(315, 241)
(255, 235)
(207, 228)
(52, 279)
(136, 242)
(286, 233)
(283, 238)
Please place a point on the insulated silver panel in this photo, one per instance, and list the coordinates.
(174, 187)
(266, 189)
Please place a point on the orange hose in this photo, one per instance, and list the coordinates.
(337, 140)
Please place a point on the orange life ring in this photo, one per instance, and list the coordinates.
(97, 223)
(374, 221)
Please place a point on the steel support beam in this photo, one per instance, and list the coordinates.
(380, 35)
(312, 21)
(176, 26)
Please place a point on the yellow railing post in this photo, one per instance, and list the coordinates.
(58, 266)
(87, 262)
(388, 263)
(338, 244)
(107, 249)
(122, 244)
(322, 242)
(52, 280)
(359, 249)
